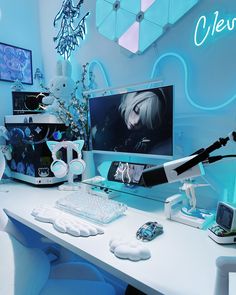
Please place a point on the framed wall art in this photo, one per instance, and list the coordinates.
(15, 64)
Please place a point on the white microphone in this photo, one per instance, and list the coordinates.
(166, 173)
(184, 168)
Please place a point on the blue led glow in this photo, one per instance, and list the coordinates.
(102, 11)
(186, 82)
(125, 19)
(208, 27)
(158, 12)
(94, 63)
(97, 63)
(131, 6)
(108, 23)
(135, 25)
(179, 8)
(154, 30)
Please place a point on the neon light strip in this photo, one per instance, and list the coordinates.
(165, 55)
(97, 63)
(191, 101)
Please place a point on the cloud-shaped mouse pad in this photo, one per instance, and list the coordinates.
(132, 250)
(66, 223)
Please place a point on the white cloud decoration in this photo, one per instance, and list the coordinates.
(66, 223)
(129, 249)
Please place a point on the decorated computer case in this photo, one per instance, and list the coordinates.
(31, 158)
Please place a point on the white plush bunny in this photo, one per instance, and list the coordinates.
(61, 86)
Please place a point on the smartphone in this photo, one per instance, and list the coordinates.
(125, 172)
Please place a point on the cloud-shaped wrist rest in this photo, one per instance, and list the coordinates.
(132, 250)
(66, 223)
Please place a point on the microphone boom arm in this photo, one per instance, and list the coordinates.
(202, 156)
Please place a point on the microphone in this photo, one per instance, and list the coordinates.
(204, 155)
(184, 168)
(166, 173)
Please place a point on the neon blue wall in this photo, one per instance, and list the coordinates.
(19, 26)
(202, 75)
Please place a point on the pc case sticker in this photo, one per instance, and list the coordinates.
(136, 24)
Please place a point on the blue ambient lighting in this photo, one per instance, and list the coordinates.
(135, 25)
(179, 8)
(97, 63)
(186, 78)
(207, 27)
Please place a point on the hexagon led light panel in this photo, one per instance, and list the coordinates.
(136, 24)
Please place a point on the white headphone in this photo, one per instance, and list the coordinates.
(59, 167)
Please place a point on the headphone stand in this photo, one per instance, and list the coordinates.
(70, 167)
(69, 185)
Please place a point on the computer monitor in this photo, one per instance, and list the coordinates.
(138, 122)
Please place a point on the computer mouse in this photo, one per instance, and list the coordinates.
(149, 231)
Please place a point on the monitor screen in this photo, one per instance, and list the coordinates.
(139, 122)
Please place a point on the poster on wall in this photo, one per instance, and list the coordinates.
(15, 64)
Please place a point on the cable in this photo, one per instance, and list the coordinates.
(217, 158)
(204, 155)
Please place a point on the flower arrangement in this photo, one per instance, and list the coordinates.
(75, 113)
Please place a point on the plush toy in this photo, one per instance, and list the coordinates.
(61, 87)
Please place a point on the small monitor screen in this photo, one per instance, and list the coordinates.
(138, 122)
(224, 216)
(126, 172)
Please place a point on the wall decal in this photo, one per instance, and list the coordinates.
(72, 29)
(135, 25)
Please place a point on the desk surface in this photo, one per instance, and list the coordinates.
(182, 261)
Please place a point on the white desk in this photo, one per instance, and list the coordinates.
(183, 258)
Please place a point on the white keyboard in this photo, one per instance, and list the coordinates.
(93, 207)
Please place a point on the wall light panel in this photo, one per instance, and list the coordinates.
(136, 24)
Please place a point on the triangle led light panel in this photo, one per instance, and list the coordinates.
(136, 24)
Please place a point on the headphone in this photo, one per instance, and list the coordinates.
(59, 167)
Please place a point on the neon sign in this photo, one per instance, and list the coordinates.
(204, 29)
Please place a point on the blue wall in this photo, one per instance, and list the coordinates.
(19, 26)
(203, 76)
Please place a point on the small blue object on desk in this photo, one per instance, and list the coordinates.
(149, 231)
